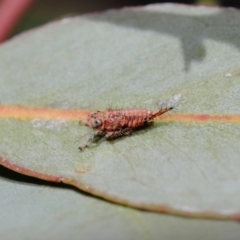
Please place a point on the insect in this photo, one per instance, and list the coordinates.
(114, 123)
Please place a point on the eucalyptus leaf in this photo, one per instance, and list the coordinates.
(130, 58)
(34, 210)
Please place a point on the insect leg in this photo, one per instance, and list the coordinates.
(92, 139)
(119, 133)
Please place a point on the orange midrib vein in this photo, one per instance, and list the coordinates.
(29, 113)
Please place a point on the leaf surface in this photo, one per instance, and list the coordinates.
(33, 210)
(187, 163)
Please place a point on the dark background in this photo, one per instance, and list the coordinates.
(43, 11)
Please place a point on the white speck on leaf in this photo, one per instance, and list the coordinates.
(228, 75)
(49, 124)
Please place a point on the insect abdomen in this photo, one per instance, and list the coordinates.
(137, 117)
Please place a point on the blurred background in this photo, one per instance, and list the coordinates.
(19, 15)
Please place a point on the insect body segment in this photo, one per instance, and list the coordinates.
(117, 123)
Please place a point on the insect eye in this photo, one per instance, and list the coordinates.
(96, 122)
